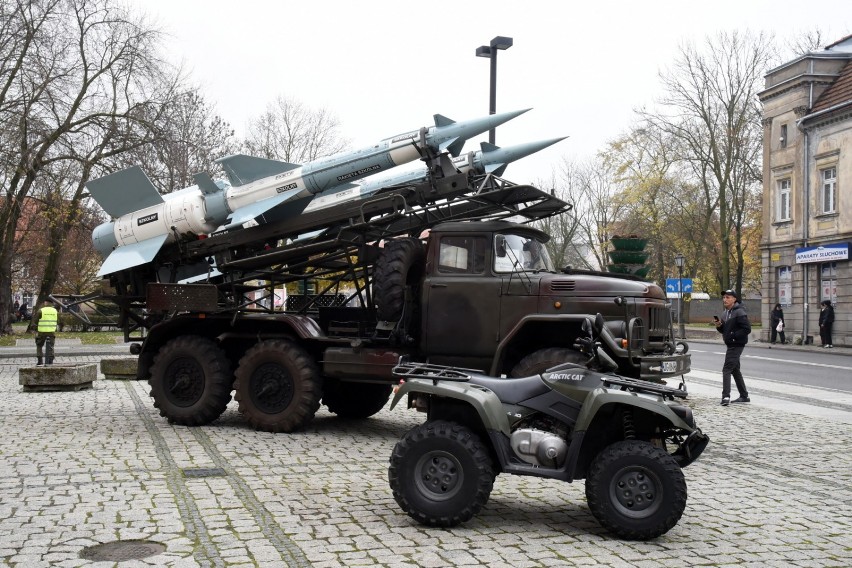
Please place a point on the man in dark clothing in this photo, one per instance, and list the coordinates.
(826, 320)
(735, 329)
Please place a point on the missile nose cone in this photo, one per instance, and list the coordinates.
(506, 154)
(503, 117)
(452, 136)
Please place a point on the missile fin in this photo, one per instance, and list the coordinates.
(242, 169)
(124, 191)
(488, 146)
(453, 146)
(249, 212)
(131, 255)
(206, 184)
(496, 169)
(441, 120)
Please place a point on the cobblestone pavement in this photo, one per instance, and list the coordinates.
(78, 469)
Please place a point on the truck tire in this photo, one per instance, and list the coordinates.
(355, 400)
(191, 381)
(278, 386)
(636, 490)
(441, 474)
(399, 267)
(539, 361)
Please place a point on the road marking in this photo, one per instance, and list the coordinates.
(825, 365)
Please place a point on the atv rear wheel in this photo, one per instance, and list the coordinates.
(355, 400)
(278, 386)
(636, 490)
(441, 474)
(539, 361)
(191, 381)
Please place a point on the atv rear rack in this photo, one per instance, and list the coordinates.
(434, 372)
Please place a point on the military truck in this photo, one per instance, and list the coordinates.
(440, 272)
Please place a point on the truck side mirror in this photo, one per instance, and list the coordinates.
(500, 246)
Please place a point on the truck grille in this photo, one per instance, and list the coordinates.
(562, 285)
(658, 321)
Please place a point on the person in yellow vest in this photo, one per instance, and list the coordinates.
(46, 321)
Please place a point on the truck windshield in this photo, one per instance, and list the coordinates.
(515, 253)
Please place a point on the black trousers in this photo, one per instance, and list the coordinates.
(774, 335)
(732, 368)
(825, 334)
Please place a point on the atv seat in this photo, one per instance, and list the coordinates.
(512, 391)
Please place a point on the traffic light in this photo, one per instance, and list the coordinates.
(628, 256)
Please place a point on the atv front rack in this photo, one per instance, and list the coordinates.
(638, 385)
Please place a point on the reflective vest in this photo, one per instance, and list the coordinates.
(47, 320)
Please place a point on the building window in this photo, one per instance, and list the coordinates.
(783, 141)
(828, 282)
(783, 211)
(828, 195)
(785, 285)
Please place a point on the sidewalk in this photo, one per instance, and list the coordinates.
(100, 468)
(707, 334)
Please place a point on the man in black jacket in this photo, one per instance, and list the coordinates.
(735, 329)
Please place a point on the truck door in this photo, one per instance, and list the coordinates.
(462, 302)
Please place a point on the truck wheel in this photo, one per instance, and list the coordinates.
(635, 490)
(355, 400)
(191, 381)
(441, 474)
(278, 386)
(399, 266)
(539, 361)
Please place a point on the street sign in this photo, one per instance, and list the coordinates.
(674, 284)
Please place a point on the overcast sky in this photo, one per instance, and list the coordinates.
(385, 67)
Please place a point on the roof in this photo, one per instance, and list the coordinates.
(839, 92)
(840, 45)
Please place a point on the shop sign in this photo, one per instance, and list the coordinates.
(822, 253)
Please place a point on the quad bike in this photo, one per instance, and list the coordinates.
(626, 437)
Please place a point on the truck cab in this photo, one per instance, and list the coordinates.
(491, 296)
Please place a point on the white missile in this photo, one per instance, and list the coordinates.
(489, 159)
(144, 220)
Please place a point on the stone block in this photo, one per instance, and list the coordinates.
(119, 368)
(62, 377)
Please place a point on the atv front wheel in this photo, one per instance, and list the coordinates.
(441, 474)
(635, 490)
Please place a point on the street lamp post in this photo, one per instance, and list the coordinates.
(490, 51)
(679, 260)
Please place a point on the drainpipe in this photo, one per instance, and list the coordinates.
(806, 194)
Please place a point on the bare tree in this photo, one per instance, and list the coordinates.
(290, 131)
(74, 70)
(189, 137)
(709, 107)
(580, 236)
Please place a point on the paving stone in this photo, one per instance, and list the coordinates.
(85, 470)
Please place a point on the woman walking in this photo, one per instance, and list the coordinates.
(777, 322)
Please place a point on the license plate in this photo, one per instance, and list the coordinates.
(669, 366)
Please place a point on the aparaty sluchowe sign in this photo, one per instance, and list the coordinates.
(822, 253)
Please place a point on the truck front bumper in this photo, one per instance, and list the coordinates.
(658, 367)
